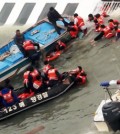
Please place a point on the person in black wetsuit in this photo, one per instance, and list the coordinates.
(19, 39)
(54, 16)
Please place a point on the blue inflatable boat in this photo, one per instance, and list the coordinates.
(12, 60)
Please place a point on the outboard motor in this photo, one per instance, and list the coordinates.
(111, 113)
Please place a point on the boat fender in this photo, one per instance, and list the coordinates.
(113, 82)
(104, 84)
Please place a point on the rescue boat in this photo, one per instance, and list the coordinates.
(107, 115)
(34, 100)
(12, 61)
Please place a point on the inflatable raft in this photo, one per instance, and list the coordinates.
(37, 99)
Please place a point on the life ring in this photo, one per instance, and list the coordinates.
(14, 49)
(53, 56)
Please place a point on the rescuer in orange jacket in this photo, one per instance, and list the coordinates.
(8, 97)
(53, 76)
(78, 21)
(106, 32)
(79, 75)
(29, 77)
(113, 23)
(117, 35)
(31, 51)
(60, 45)
(38, 85)
(73, 30)
(77, 71)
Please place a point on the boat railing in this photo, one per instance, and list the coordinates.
(107, 6)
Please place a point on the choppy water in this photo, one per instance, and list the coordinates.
(71, 113)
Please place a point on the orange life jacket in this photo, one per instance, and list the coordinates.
(111, 25)
(8, 97)
(34, 74)
(28, 45)
(107, 32)
(82, 77)
(60, 43)
(37, 84)
(25, 76)
(74, 33)
(118, 31)
(100, 20)
(80, 22)
(46, 68)
(52, 74)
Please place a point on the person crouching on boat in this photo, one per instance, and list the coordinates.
(31, 51)
(73, 30)
(78, 21)
(29, 77)
(8, 97)
(79, 75)
(46, 67)
(60, 45)
(53, 76)
(38, 85)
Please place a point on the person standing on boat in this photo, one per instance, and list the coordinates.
(53, 75)
(19, 39)
(8, 97)
(54, 16)
(80, 23)
(31, 51)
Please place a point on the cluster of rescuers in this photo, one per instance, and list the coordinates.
(36, 81)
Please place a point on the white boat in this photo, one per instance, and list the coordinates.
(100, 121)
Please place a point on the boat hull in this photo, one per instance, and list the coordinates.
(37, 99)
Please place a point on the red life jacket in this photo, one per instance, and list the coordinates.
(60, 43)
(107, 32)
(100, 20)
(98, 29)
(118, 31)
(25, 76)
(80, 22)
(74, 34)
(34, 74)
(46, 68)
(37, 84)
(111, 25)
(8, 97)
(82, 77)
(52, 74)
(28, 45)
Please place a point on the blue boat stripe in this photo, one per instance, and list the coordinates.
(5, 12)
(45, 10)
(25, 13)
(70, 8)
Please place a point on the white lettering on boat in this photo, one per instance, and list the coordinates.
(45, 94)
(33, 99)
(22, 104)
(5, 110)
(10, 109)
(14, 107)
(39, 97)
